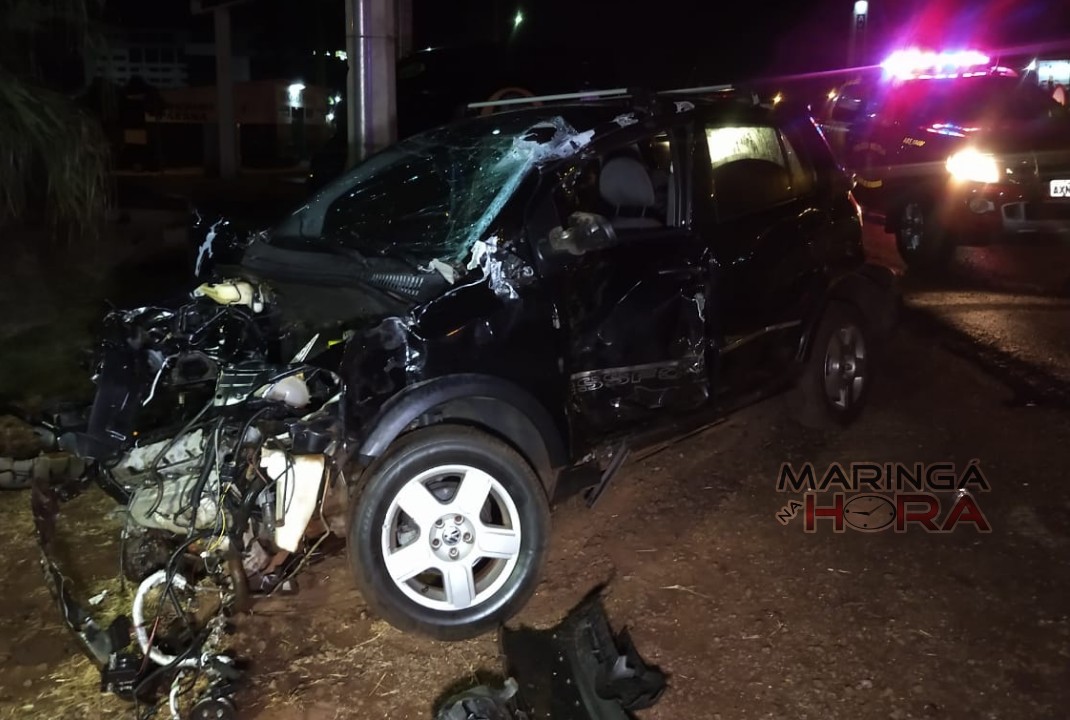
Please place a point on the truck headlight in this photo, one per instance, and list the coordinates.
(974, 166)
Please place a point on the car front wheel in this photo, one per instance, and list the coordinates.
(449, 533)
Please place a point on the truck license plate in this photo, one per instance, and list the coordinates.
(1060, 188)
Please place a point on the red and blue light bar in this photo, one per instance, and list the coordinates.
(913, 63)
(950, 129)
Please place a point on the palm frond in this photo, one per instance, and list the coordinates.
(54, 158)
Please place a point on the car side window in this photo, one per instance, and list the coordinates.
(632, 186)
(753, 168)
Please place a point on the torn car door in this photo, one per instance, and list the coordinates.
(634, 308)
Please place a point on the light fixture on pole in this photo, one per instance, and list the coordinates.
(856, 48)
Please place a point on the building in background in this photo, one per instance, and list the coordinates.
(280, 122)
(155, 91)
(164, 58)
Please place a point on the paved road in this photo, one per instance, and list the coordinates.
(1006, 308)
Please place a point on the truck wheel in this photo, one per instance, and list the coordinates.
(922, 242)
(835, 382)
(449, 533)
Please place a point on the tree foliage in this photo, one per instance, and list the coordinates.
(54, 159)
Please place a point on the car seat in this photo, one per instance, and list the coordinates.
(626, 186)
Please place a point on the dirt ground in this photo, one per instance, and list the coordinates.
(751, 619)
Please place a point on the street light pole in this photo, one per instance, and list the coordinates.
(404, 34)
(371, 42)
(856, 48)
(224, 81)
(225, 93)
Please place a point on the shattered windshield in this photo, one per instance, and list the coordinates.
(431, 196)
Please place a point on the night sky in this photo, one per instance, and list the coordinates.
(776, 37)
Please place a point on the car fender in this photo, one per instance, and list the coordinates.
(498, 406)
(871, 288)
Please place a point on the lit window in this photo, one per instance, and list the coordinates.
(735, 143)
(750, 171)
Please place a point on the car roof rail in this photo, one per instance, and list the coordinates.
(612, 94)
(582, 95)
(700, 90)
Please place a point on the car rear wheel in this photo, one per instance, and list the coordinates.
(836, 381)
(922, 242)
(449, 533)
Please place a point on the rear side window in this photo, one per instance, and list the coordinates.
(754, 167)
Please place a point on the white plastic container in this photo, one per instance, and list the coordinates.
(297, 490)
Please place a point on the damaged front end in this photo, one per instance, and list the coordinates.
(223, 425)
(226, 463)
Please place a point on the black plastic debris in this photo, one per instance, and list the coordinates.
(483, 703)
(577, 670)
(98, 643)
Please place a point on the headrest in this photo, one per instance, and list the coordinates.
(625, 182)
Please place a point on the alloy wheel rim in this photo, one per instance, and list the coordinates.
(451, 537)
(913, 226)
(845, 367)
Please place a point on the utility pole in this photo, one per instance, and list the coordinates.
(224, 82)
(404, 14)
(497, 22)
(371, 48)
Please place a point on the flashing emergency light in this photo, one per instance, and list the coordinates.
(950, 129)
(913, 63)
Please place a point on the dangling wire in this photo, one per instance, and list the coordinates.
(154, 467)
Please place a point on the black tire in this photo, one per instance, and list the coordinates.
(370, 530)
(922, 241)
(811, 400)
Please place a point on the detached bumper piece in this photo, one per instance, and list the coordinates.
(124, 668)
(578, 670)
(97, 643)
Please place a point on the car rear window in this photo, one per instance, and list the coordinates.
(753, 167)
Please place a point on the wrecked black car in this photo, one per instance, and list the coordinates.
(463, 328)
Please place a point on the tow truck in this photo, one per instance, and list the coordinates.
(953, 149)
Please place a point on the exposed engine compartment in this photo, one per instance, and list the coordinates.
(226, 459)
